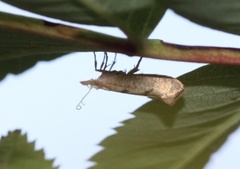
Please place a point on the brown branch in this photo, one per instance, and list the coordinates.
(213, 55)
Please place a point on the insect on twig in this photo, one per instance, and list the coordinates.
(103, 67)
(165, 88)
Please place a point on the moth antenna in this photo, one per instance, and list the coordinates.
(135, 69)
(78, 107)
(114, 61)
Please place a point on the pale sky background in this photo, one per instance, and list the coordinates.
(41, 101)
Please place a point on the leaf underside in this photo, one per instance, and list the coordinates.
(25, 41)
(17, 153)
(137, 18)
(221, 15)
(182, 136)
(178, 137)
(19, 65)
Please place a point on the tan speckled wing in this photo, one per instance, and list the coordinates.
(160, 87)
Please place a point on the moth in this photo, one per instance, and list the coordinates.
(165, 88)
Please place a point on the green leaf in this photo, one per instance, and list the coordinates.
(22, 36)
(17, 153)
(222, 15)
(182, 136)
(24, 41)
(136, 18)
(19, 65)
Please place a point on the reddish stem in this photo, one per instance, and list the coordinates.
(214, 55)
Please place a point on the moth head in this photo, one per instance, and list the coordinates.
(89, 83)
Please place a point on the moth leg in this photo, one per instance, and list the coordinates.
(95, 62)
(103, 63)
(106, 60)
(135, 69)
(113, 63)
